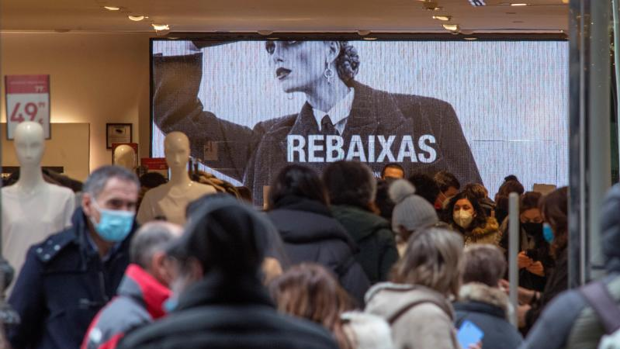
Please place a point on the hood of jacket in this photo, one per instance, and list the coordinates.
(610, 224)
(390, 300)
(144, 289)
(491, 227)
(358, 222)
(300, 220)
(477, 297)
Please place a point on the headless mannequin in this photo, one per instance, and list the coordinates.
(32, 209)
(169, 201)
(125, 156)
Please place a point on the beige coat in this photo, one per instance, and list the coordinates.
(420, 317)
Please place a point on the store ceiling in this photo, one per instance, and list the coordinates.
(550, 16)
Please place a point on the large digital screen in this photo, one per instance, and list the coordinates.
(479, 109)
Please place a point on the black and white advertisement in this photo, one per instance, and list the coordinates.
(481, 110)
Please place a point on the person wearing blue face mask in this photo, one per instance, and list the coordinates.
(70, 276)
(554, 208)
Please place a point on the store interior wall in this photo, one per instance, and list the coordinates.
(96, 78)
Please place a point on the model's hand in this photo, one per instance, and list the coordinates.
(475, 346)
(525, 295)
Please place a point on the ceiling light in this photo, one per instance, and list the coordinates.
(136, 18)
(471, 38)
(443, 18)
(112, 8)
(518, 4)
(451, 27)
(160, 27)
(370, 39)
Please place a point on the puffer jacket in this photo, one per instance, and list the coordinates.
(488, 308)
(311, 234)
(139, 302)
(420, 317)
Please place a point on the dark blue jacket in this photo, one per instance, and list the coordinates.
(62, 286)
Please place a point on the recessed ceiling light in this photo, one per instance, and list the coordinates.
(370, 39)
(451, 27)
(160, 27)
(112, 8)
(471, 38)
(443, 18)
(136, 18)
(518, 4)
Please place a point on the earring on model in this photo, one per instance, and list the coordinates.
(329, 73)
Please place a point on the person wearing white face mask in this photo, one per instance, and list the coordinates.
(70, 276)
(466, 216)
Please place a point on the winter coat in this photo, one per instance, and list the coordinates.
(420, 318)
(62, 286)
(257, 153)
(221, 312)
(487, 307)
(374, 237)
(489, 233)
(569, 321)
(311, 234)
(139, 302)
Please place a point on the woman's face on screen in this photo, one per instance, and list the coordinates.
(298, 65)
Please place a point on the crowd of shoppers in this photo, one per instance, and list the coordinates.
(338, 259)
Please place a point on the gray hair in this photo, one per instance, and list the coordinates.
(96, 182)
(149, 239)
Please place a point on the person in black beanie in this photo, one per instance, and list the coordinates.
(220, 300)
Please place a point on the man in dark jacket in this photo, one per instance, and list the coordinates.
(221, 301)
(70, 276)
(569, 321)
(142, 292)
(352, 188)
(421, 133)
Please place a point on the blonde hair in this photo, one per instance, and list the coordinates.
(433, 259)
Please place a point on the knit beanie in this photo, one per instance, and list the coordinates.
(411, 211)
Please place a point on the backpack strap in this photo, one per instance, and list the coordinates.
(606, 308)
(406, 308)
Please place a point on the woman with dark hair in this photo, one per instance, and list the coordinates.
(298, 207)
(361, 121)
(352, 189)
(415, 303)
(309, 291)
(534, 257)
(554, 208)
(465, 215)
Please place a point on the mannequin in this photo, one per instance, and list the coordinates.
(169, 201)
(125, 156)
(32, 209)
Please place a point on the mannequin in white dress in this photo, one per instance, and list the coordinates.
(169, 201)
(32, 209)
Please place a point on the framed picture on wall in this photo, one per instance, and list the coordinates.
(118, 133)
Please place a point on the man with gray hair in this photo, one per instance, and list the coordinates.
(70, 276)
(142, 292)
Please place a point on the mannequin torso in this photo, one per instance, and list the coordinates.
(170, 200)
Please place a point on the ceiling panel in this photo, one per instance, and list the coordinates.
(280, 15)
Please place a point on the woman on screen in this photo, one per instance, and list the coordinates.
(341, 119)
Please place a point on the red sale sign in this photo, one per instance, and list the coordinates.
(27, 99)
